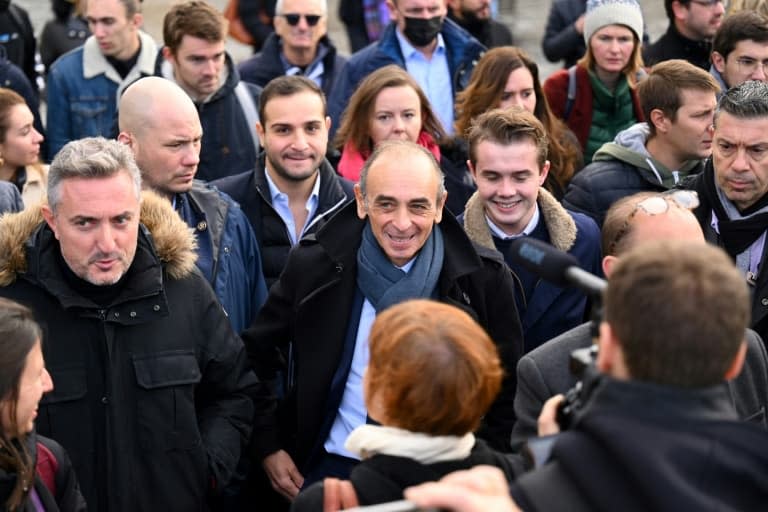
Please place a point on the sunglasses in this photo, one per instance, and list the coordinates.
(293, 19)
(656, 205)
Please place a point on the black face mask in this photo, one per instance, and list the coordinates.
(420, 31)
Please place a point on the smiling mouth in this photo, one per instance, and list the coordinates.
(400, 240)
(507, 205)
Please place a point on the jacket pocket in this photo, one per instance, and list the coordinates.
(165, 400)
(64, 413)
(91, 117)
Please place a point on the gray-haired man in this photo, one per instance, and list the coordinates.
(152, 397)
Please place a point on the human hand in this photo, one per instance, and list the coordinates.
(579, 24)
(283, 474)
(480, 489)
(547, 423)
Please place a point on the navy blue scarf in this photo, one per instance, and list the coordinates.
(383, 284)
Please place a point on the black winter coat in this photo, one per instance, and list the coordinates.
(600, 184)
(152, 390)
(310, 306)
(383, 478)
(638, 447)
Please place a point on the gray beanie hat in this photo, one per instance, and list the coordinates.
(601, 13)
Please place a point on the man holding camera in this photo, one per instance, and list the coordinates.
(631, 222)
(659, 431)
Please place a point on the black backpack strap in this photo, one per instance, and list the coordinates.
(571, 92)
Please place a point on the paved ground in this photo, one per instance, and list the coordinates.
(526, 18)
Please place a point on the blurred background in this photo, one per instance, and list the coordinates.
(526, 19)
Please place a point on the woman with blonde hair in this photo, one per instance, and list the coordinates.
(20, 148)
(597, 98)
(507, 76)
(433, 373)
(389, 105)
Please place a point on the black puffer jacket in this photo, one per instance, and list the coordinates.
(153, 391)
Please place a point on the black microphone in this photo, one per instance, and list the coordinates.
(555, 266)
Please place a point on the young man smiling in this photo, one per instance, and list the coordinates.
(508, 160)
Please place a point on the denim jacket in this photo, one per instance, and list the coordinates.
(83, 91)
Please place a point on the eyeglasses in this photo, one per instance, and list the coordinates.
(293, 18)
(711, 3)
(748, 65)
(656, 205)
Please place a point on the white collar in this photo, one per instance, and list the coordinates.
(369, 440)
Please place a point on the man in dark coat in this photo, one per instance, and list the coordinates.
(733, 189)
(437, 52)
(153, 391)
(393, 244)
(658, 430)
(297, 47)
(475, 17)
(286, 198)
(159, 122)
(194, 33)
(692, 25)
(546, 372)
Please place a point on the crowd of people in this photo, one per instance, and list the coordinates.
(303, 281)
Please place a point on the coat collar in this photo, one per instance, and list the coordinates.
(94, 62)
(560, 224)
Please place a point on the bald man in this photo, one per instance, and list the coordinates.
(630, 222)
(160, 124)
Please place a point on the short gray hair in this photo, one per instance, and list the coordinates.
(91, 158)
(745, 101)
(401, 146)
(279, 7)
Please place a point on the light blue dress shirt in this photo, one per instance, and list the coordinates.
(433, 76)
(352, 411)
(282, 206)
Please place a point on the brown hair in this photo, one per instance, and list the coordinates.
(432, 369)
(8, 99)
(679, 311)
(484, 92)
(193, 18)
(285, 85)
(662, 88)
(356, 121)
(741, 26)
(630, 71)
(18, 334)
(507, 125)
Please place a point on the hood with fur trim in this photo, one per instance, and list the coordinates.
(173, 240)
(561, 226)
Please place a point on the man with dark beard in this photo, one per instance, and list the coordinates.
(474, 16)
(293, 188)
